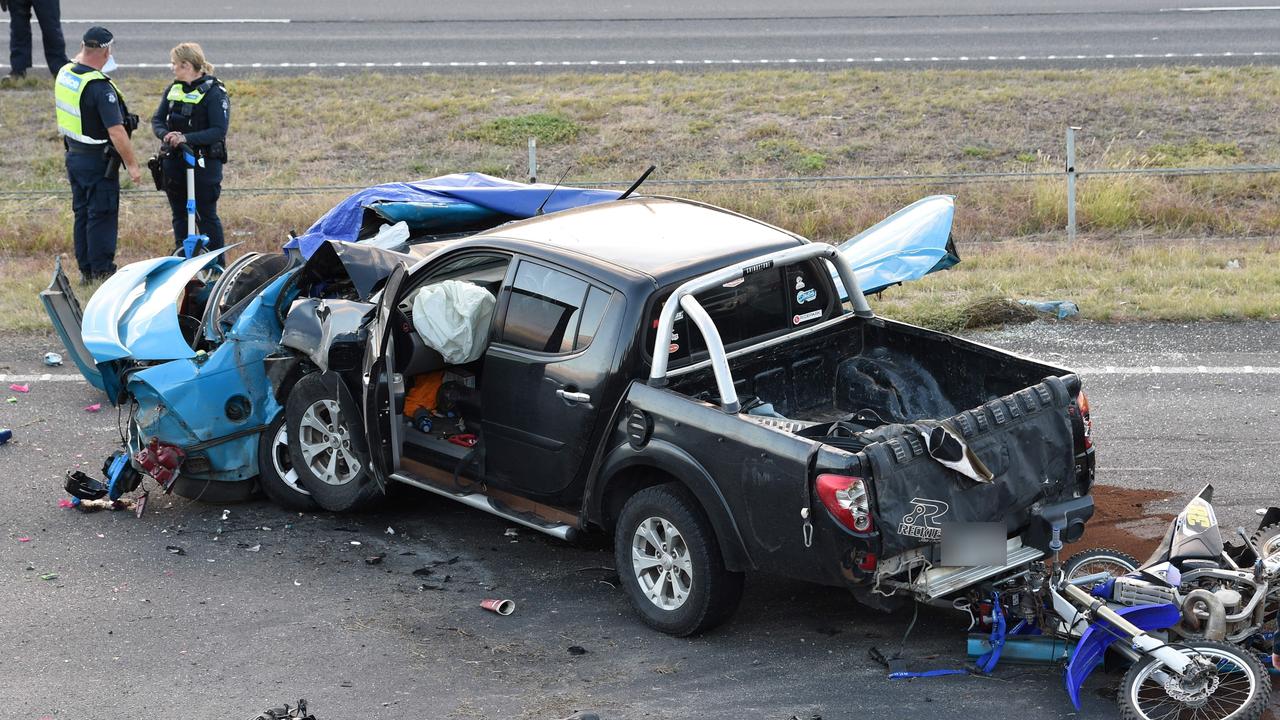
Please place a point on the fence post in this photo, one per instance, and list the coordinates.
(1071, 183)
(533, 160)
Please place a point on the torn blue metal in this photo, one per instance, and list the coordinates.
(907, 245)
(214, 405)
(451, 203)
(135, 312)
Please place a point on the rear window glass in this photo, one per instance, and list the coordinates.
(764, 303)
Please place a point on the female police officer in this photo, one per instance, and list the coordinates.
(195, 110)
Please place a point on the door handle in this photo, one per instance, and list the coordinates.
(574, 397)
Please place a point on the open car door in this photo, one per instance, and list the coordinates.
(383, 387)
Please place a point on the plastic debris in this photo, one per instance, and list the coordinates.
(12, 400)
(502, 607)
(226, 514)
(298, 583)
(1062, 309)
(5, 435)
(391, 531)
(577, 650)
(64, 503)
(20, 388)
(356, 542)
(375, 559)
(49, 576)
(52, 359)
(175, 549)
(24, 538)
(511, 532)
(93, 408)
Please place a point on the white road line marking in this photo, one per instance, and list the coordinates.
(1225, 8)
(734, 61)
(44, 377)
(1187, 370)
(179, 21)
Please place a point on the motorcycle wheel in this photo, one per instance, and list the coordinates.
(1267, 540)
(1233, 686)
(1096, 560)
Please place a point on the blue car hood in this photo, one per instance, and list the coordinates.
(907, 245)
(135, 312)
(446, 202)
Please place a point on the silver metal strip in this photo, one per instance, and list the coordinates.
(481, 502)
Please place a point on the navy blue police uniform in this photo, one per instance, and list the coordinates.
(95, 194)
(203, 115)
(48, 14)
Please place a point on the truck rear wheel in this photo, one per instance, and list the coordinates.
(670, 564)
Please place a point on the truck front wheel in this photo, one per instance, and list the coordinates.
(670, 564)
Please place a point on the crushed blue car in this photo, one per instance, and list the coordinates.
(201, 358)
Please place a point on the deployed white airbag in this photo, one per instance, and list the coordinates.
(453, 318)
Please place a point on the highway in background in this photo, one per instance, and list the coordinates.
(665, 34)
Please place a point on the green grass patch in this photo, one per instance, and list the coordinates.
(547, 128)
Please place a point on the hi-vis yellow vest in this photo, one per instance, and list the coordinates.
(67, 90)
(177, 95)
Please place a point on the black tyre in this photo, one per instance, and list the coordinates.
(1096, 560)
(1267, 540)
(276, 475)
(670, 564)
(327, 444)
(1230, 684)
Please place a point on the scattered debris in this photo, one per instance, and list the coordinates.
(93, 408)
(226, 514)
(356, 542)
(253, 548)
(64, 503)
(49, 576)
(375, 559)
(12, 400)
(391, 531)
(5, 435)
(1062, 309)
(286, 713)
(52, 359)
(24, 538)
(512, 533)
(423, 572)
(577, 650)
(502, 607)
(20, 388)
(1234, 264)
(297, 583)
(175, 549)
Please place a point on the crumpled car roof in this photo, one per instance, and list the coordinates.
(459, 194)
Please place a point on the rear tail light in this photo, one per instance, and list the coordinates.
(1082, 401)
(846, 498)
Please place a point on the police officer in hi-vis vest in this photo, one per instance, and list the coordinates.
(194, 110)
(95, 124)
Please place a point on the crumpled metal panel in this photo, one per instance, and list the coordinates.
(184, 401)
(907, 245)
(135, 315)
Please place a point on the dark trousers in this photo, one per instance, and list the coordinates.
(55, 48)
(95, 199)
(207, 192)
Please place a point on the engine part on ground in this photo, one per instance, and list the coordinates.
(500, 606)
(286, 713)
(1216, 628)
(84, 487)
(161, 461)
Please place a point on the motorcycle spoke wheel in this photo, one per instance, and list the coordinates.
(1232, 689)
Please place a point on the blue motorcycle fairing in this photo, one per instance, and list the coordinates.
(1100, 635)
(907, 245)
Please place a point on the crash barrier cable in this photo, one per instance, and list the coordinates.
(923, 179)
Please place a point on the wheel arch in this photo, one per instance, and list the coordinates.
(626, 471)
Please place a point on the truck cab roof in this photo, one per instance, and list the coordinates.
(663, 239)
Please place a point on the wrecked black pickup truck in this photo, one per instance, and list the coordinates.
(691, 381)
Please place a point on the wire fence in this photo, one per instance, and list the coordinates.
(905, 179)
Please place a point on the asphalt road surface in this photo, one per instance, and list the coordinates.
(101, 620)
(669, 34)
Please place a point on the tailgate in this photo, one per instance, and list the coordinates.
(1025, 439)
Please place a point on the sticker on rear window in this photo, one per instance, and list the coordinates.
(805, 296)
(673, 348)
(806, 317)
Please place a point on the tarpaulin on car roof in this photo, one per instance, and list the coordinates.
(459, 191)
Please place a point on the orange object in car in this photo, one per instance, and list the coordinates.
(423, 394)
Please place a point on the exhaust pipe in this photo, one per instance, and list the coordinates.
(1216, 628)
